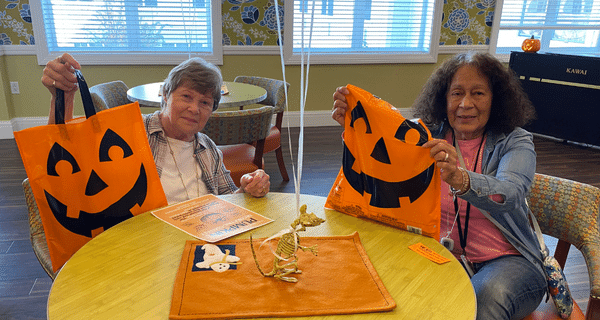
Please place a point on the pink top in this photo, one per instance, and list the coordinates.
(484, 240)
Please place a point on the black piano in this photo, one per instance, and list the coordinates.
(565, 90)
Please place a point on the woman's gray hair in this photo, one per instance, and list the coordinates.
(197, 74)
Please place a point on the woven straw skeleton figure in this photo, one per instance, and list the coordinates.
(286, 261)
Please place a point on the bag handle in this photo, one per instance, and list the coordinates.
(537, 230)
(86, 97)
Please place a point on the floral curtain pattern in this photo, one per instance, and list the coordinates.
(16, 23)
(254, 22)
(251, 22)
(467, 22)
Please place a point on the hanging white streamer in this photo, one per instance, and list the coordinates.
(186, 31)
(303, 93)
(285, 91)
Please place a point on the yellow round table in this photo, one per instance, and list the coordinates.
(128, 271)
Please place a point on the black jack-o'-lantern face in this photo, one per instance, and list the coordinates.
(387, 182)
(105, 203)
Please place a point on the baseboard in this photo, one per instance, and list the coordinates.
(6, 130)
(311, 119)
(323, 118)
(16, 124)
(292, 118)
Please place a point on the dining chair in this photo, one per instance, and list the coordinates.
(109, 95)
(240, 135)
(568, 210)
(36, 231)
(276, 98)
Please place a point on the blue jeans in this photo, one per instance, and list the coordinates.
(508, 287)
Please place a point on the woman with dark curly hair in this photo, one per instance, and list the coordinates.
(475, 108)
(510, 106)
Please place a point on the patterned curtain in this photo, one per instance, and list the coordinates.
(253, 22)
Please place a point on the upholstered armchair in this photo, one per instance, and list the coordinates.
(109, 95)
(276, 98)
(240, 135)
(568, 211)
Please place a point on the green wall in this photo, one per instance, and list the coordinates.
(4, 88)
(396, 83)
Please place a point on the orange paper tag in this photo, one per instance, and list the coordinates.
(428, 253)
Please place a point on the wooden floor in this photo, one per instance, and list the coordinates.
(24, 286)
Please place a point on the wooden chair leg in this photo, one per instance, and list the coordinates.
(258, 154)
(282, 169)
(593, 308)
(561, 252)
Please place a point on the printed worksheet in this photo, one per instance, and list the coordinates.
(210, 218)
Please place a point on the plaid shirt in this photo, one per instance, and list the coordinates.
(209, 157)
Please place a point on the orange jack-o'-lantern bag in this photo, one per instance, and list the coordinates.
(386, 175)
(89, 174)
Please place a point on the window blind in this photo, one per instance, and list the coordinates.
(563, 26)
(127, 26)
(365, 27)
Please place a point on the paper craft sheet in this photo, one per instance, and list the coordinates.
(210, 218)
(340, 280)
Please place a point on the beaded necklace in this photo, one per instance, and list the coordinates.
(181, 176)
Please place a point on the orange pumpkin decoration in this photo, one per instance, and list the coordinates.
(531, 45)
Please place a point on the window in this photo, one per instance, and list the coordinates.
(363, 31)
(127, 31)
(563, 26)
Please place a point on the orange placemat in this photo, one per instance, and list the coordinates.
(340, 280)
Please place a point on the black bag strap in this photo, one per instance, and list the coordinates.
(86, 97)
